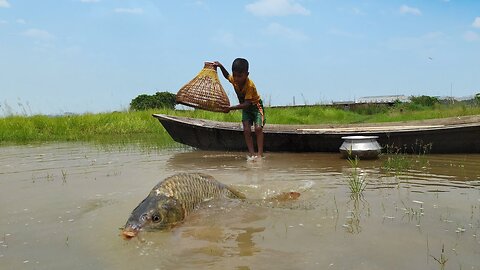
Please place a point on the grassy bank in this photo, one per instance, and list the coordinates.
(330, 115)
(115, 127)
(140, 125)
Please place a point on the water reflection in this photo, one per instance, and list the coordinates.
(462, 168)
(357, 208)
(223, 242)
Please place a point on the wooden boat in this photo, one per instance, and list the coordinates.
(448, 135)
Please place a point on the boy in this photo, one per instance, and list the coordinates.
(250, 103)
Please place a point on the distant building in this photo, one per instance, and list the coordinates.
(370, 100)
(383, 99)
(343, 102)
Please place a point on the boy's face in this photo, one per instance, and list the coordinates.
(240, 77)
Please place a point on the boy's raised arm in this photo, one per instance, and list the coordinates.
(222, 68)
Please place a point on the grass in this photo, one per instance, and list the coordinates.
(356, 179)
(398, 161)
(128, 126)
(86, 127)
(442, 260)
(64, 176)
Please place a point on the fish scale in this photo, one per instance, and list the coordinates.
(192, 189)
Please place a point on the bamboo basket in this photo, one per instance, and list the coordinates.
(204, 91)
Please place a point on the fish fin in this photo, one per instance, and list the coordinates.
(285, 196)
(236, 193)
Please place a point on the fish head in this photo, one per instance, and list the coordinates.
(153, 213)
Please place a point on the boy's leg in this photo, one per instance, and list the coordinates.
(259, 133)
(259, 120)
(247, 133)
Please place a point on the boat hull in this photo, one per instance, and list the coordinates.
(418, 137)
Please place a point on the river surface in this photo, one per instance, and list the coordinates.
(61, 207)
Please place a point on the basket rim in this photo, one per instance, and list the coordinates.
(198, 106)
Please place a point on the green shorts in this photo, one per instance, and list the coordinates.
(254, 114)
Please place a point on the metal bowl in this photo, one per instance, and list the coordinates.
(363, 147)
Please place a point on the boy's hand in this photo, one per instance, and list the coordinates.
(224, 71)
(226, 110)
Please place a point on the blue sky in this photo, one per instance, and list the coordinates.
(97, 55)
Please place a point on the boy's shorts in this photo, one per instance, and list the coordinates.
(254, 114)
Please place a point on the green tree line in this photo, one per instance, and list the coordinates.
(166, 100)
(159, 100)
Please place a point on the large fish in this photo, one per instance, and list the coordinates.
(171, 200)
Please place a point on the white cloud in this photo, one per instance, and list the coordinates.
(129, 10)
(471, 36)
(276, 8)
(4, 4)
(3, 22)
(476, 22)
(89, 1)
(276, 29)
(20, 21)
(410, 10)
(38, 34)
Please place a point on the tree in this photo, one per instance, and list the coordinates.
(161, 100)
(477, 98)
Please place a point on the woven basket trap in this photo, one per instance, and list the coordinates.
(204, 91)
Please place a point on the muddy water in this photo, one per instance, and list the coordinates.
(61, 206)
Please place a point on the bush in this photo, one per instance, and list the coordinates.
(161, 100)
(426, 101)
(371, 109)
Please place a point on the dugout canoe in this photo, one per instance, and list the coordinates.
(441, 136)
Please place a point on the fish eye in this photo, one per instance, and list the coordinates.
(156, 218)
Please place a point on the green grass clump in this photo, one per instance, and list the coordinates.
(356, 179)
(398, 161)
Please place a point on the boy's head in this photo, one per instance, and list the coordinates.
(240, 65)
(240, 70)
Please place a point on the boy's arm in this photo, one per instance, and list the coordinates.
(238, 107)
(241, 106)
(222, 68)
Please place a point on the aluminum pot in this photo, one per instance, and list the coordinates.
(363, 147)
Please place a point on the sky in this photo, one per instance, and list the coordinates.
(91, 56)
